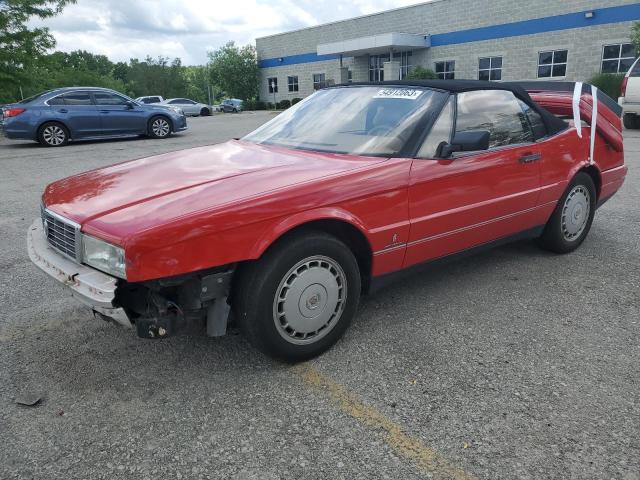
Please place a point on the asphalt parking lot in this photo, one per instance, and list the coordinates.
(515, 363)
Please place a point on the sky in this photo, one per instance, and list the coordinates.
(124, 29)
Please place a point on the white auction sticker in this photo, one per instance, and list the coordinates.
(406, 93)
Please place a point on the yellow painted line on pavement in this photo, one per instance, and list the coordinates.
(425, 458)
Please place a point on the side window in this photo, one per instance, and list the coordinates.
(103, 98)
(59, 100)
(189, 102)
(175, 102)
(535, 121)
(77, 98)
(497, 111)
(440, 132)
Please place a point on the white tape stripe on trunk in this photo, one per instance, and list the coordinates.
(594, 119)
(577, 94)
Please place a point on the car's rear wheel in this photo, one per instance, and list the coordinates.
(205, 112)
(159, 127)
(631, 121)
(235, 110)
(571, 220)
(298, 299)
(53, 134)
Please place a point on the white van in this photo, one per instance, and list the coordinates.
(630, 96)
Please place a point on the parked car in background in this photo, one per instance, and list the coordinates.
(231, 105)
(81, 113)
(630, 96)
(290, 225)
(189, 107)
(150, 99)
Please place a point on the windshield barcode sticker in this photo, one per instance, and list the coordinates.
(406, 93)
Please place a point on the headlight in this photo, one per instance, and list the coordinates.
(103, 256)
(178, 110)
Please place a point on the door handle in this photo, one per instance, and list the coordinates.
(530, 157)
(63, 110)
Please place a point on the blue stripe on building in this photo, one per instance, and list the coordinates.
(601, 16)
(295, 59)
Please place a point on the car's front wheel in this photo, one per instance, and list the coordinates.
(205, 112)
(53, 134)
(572, 218)
(298, 299)
(159, 127)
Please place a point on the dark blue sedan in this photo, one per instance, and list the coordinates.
(57, 116)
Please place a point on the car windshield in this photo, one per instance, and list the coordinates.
(369, 120)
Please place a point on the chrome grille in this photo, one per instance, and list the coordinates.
(62, 235)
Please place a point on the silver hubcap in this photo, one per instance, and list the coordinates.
(575, 213)
(310, 300)
(160, 127)
(53, 135)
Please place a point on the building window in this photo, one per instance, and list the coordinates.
(552, 63)
(319, 81)
(349, 76)
(446, 70)
(617, 58)
(406, 63)
(292, 82)
(490, 68)
(272, 82)
(376, 67)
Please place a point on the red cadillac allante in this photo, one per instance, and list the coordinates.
(284, 230)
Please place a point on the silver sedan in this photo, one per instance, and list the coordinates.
(189, 107)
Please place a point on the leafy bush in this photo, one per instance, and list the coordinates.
(260, 105)
(609, 83)
(284, 104)
(295, 100)
(421, 73)
(269, 106)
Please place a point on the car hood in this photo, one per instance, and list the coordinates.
(176, 184)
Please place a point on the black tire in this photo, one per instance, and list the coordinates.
(566, 229)
(53, 134)
(235, 110)
(258, 283)
(159, 127)
(631, 121)
(205, 112)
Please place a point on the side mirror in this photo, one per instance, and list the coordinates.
(469, 141)
(130, 105)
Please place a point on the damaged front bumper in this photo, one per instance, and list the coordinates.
(93, 288)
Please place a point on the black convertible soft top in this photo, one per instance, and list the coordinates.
(553, 123)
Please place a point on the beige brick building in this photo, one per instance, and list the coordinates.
(478, 39)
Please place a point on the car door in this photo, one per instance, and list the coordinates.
(189, 107)
(118, 115)
(473, 198)
(76, 110)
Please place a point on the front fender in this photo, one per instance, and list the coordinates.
(279, 229)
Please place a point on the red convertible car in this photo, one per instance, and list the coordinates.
(284, 230)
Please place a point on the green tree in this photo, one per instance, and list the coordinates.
(421, 73)
(198, 81)
(156, 77)
(635, 37)
(235, 70)
(20, 46)
(79, 68)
